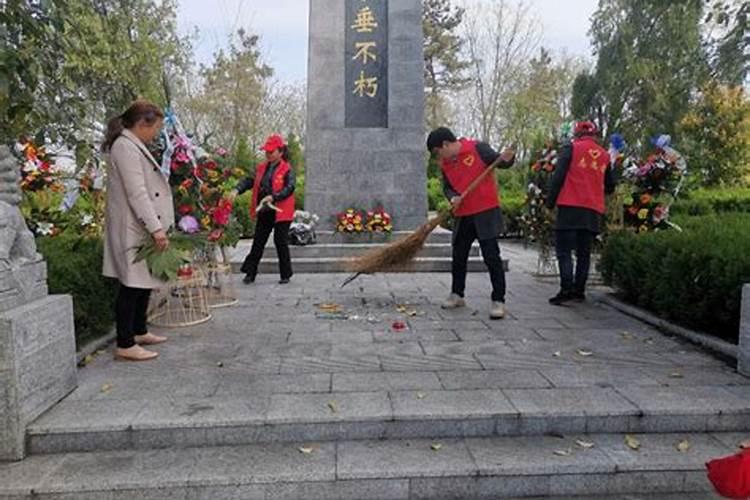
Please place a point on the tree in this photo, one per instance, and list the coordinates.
(229, 106)
(500, 40)
(444, 65)
(728, 40)
(716, 135)
(542, 102)
(650, 61)
(26, 26)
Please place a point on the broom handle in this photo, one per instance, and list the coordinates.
(476, 182)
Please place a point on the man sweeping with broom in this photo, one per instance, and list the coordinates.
(476, 210)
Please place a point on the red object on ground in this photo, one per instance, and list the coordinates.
(731, 475)
(399, 326)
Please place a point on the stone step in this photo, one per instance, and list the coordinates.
(227, 419)
(439, 235)
(270, 265)
(351, 250)
(571, 466)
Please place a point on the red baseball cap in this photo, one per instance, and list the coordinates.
(273, 143)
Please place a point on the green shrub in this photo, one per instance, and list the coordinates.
(74, 266)
(299, 192)
(241, 211)
(435, 193)
(513, 206)
(693, 278)
(713, 201)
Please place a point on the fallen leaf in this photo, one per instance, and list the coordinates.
(649, 341)
(106, 388)
(683, 446)
(436, 446)
(745, 445)
(220, 364)
(584, 444)
(584, 353)
(330, 307)
(421, 395)
(306, 450)
(401, 308)
(676, 374)
(411, 313)
(557, 354)
(333, 406)
(88, 359)
(627, 335)
(564, 453)
(632, 442)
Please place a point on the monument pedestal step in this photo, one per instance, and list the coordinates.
(334, 257)
(339, 265)
(483, 468)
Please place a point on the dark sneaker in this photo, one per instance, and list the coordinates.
(561, 298)
(284, 281)
(248, 279)
(579, 297)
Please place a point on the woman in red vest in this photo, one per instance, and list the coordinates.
(272, 207)
(477, 214)
(582, 178)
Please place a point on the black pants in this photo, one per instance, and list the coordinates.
(266, 223)
(462, 242)
(130, 314)
(581, 241)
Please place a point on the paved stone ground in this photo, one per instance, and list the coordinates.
(275, 369)
(276, 341)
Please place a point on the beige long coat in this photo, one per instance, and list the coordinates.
(139, 203)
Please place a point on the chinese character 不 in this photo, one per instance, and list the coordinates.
(365, 21)
(364, 51)
(366, 86)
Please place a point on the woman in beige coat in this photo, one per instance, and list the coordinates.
(139, 206)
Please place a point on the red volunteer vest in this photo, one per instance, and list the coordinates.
(277, 184)
(461, 171)
(584, 183)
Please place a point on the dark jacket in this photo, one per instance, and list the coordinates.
(489, 224)
(575, 217)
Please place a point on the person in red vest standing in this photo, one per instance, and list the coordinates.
(477, 214)
(272, 207)
(581, 180)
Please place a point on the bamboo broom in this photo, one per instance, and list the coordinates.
(397, 255)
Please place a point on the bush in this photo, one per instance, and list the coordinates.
(74, 266)
(513, 206)
(713, 201)
(435, 195)
(693, 278)
(299, 192)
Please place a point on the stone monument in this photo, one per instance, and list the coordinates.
(37, 338)
(365, 101)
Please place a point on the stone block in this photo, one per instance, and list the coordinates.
(37, 365)
(743, 354)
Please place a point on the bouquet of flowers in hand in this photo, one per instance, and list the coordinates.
(350, 221)
(302, 229)
(379, 221)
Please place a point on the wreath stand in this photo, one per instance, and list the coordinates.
(181, 302)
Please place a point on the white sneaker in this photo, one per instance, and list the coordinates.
(453, 302)
(497, 310)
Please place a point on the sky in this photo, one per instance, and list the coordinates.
(283, 25)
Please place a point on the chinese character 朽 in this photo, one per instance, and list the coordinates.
(364, 51)
(365, 86)
(365, 21)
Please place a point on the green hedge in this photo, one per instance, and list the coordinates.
(693, 278)
(74, 266)
(241, 211)
(713, 201)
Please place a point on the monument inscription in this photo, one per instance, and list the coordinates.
(366, 58)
